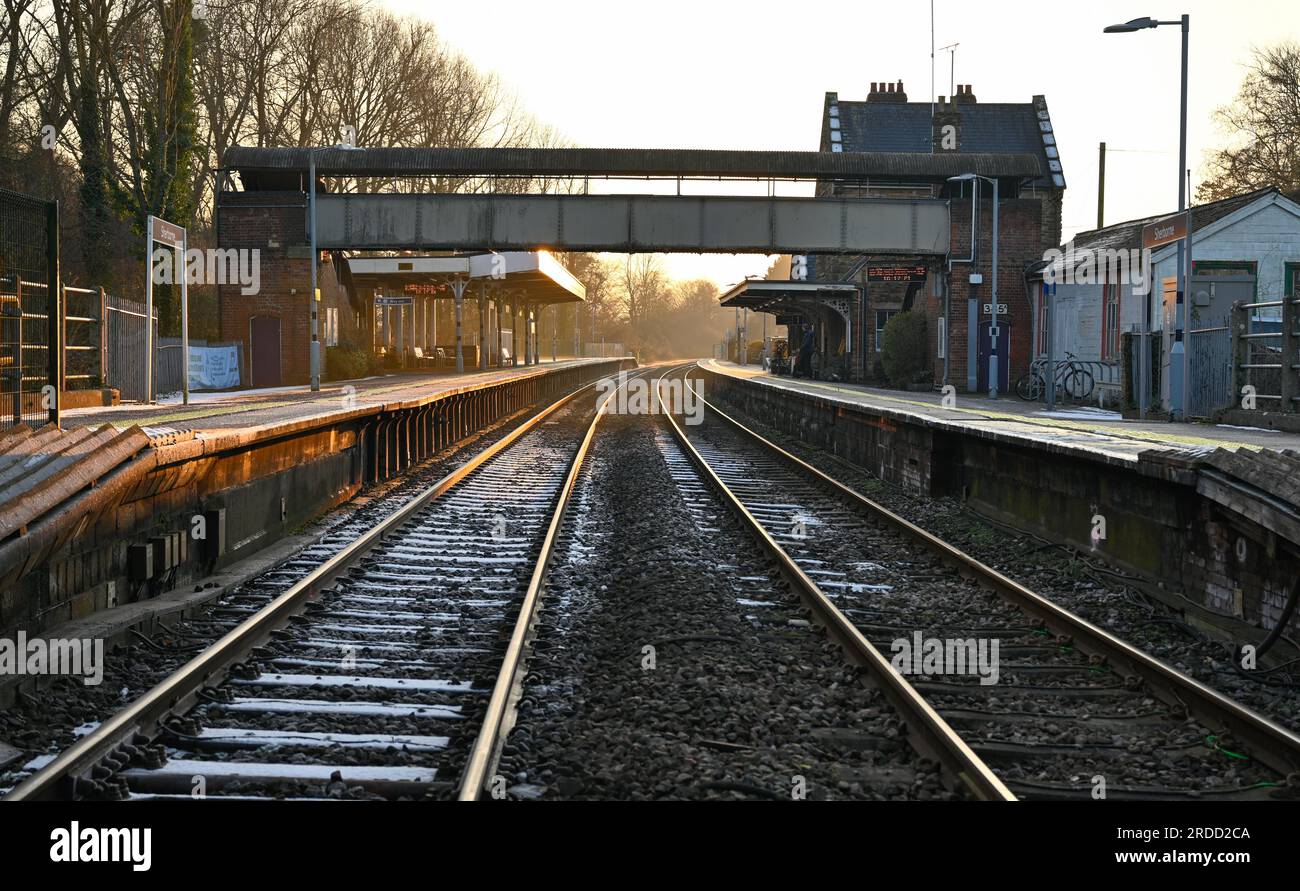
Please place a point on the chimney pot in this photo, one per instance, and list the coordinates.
(900, 86)
(873, 86)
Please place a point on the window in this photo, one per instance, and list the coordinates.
(882, 319)
(1291, 280)
(1217, 268)
(1110, 322)
(331, 326)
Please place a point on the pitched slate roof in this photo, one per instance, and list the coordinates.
(988, 128)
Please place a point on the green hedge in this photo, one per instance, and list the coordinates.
(903, 348)
(348, 363)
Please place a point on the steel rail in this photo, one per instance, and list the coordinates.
(499, 719)
(179, 691)
(927, 731)
(1267, 741)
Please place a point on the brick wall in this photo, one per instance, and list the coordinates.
(1019, 243)
(276, 224)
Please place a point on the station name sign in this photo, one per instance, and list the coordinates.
(896, 273)
(1165, 231)
(168, 233)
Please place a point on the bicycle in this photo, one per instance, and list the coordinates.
(1072, 378)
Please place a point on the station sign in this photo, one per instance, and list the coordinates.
(1166, 231)
(393, 301)
(166, 233)
(916, 273)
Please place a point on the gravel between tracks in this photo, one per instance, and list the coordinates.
(744, 698)
(1081, 583)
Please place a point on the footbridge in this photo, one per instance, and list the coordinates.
(571, 219)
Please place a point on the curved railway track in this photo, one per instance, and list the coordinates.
(386, 671)
(1072, 708)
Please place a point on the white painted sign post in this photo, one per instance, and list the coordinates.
(160, 231)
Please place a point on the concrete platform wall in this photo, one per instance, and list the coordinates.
(1184, 548)
(268, 482)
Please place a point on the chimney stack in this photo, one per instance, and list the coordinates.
(945, 136)
(885, 91)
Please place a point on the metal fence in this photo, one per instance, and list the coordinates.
(1132, 379)
(1264, 355)
(85, 344)
(169, 368)
(30, 353)
(1211, 371)
(126, 345)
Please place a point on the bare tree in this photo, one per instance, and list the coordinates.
(642, 288)
(1264, 126)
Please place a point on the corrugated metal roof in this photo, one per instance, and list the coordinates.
(1128, 235)
(393, 162)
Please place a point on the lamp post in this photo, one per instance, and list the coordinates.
(1180, 357)
(313, 297)
(995, 329)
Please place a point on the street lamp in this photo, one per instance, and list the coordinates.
(994, 328)
(1179, 360)
(312, 298)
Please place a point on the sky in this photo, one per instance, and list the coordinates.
(753, 75)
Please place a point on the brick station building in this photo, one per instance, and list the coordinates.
(275, 323)
(1013, 143)
(1029, 221)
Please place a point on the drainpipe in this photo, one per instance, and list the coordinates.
(971, 307)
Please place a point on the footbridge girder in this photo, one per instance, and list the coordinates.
(631, 223)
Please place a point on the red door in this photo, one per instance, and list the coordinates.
(264, 334)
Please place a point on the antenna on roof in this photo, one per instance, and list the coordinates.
(952, 57)
(932, 71)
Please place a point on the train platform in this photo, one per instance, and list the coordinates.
(218, 413)
(1068, 428)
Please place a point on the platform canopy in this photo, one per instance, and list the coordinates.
(535, 276)
(527, 276)
(769, 295)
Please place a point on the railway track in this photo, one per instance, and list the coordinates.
(1071, 712)
(384, 672)
(672, 661)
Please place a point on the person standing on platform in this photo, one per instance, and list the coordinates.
(804, 367)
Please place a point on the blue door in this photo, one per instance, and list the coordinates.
(1004, 356)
